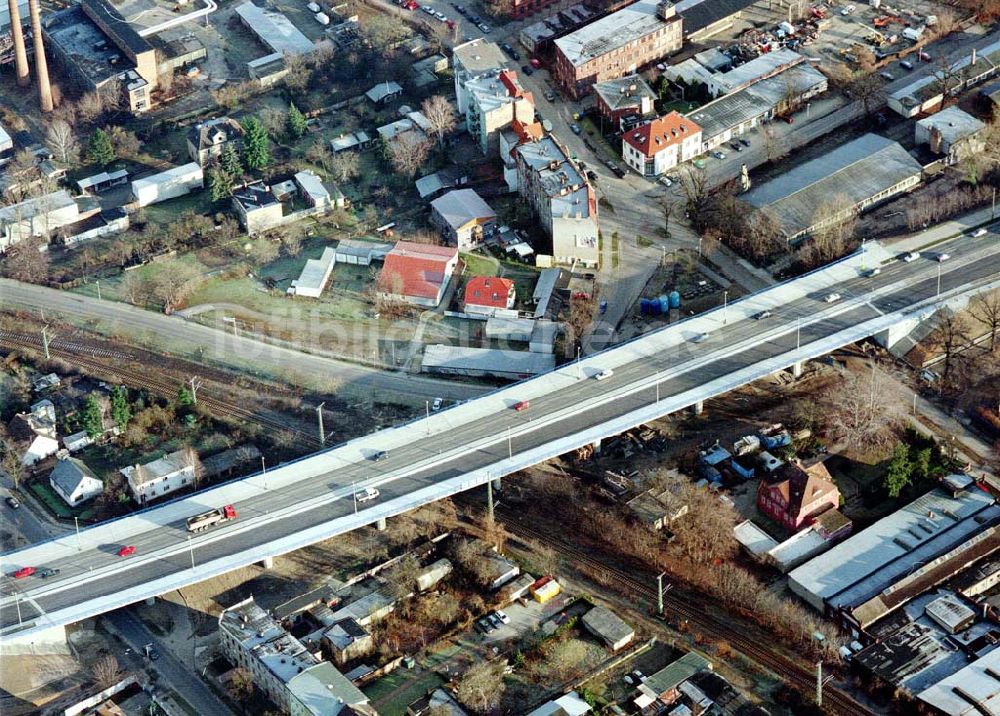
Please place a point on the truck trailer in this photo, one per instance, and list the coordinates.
(211, 519)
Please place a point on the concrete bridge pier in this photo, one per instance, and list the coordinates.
(380, 525)
(150, 601)
(497, 483)
(597, 446)
(797, 369)
(699, 407)
(267, 562)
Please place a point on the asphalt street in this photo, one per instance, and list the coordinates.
(221, 347)
(91, 569)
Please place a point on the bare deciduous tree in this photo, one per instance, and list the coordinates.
(25, 262)
(106, 671)
(834, 235)
(344, 166)
(986, 308)
(441, 114)
(481, 687)
(61, 141)
(950, 335)
(864, 412)
(407, 153)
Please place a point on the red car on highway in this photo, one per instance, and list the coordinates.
(522, 405)
(126, 551)
(23, 572)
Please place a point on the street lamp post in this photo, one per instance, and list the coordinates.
(725, 306)
(798, 333)
(76, 521)
(191, 551)
(657, 388)
(510, 447)
(263, 471)
(939, 279)
(354, 494)
(578, 374)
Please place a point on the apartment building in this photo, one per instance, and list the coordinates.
(495, 99)
(660, 145)
(473, 60)
(617, 45)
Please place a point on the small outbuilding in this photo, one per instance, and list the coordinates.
(608, 627)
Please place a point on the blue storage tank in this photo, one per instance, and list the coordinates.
(654, 306)
(664, 304)
(675, 299)
(644, 307)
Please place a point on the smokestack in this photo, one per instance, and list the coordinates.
(20, 56)
(41, 67)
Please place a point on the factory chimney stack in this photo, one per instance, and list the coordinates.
(17, 34)
(41, 67)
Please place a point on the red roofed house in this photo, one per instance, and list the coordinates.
(660, 145)
(795, 496)
(488, 294)
(417, 273)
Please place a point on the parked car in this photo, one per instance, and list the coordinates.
(665, 181)
(536, 63)
(592, 175)
(699, 163)
(12, 502)
(526, 69)
(887, 76)
(23, 572)
(437, 404)
(550, 95)
(428, 9)
(787, 119)
(942, 257)
(366, 495)
(718, 155)
(628, 679)
(604, 374)
(154, 655)
(575, 128)
(522, 405)
(906, 65)
(46, 573)
(761, 315)
(440, 16)
(484, 28)
(911, 256)
(744, 142)
(832, 297)
(474, 19)
(736, 146)
(380, 456)
(502, 616)
(126, 551)
(506, 47)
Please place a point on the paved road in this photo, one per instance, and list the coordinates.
(224, 347)
(312, 499)
(176, 675)
(23, 520)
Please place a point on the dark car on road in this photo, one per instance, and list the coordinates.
(510, 51)
(12, 502)
(380, 456)
(526, 69)
(48, 573)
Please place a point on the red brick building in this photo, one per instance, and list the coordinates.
(622, 98)
(523, 8)
(793, 496)
(617, 45)
(487, 294)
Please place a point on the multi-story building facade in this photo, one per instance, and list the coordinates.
(169, 473)
(494, 101)
(660, 145)
(625, 101)
(562, 198)
(617, 45)
(291, 676)
(473, 60)
(523, 8)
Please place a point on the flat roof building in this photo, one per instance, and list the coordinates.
(459, 360)
(471, 60)
(314, 276)
(608, 627)
(624, 97)
(274, 30)
(96, 49)
(972, 691)
(617, 45)
(706, 18)
(861, 173)
(875, 565)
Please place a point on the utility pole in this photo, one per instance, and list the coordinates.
(725, 306)
(938, 281)
(578, 375)
(99, 288)
(195, 382)
(657, 388)
(510, 448)
(319, 417)
(819, 683)
(354, 494)
(659, 594)
(489, 496)
(191, 550)
(46, 340)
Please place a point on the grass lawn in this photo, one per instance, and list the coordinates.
(678, 106)
(200, 202)
(394, 692)
(477, 265)
(55, 504)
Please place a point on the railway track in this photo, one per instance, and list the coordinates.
(835, 700)
(94, 359)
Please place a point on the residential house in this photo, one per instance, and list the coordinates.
(624, 101)
(417, 273)
(77, 441)
(608, 627)
(346, 640)
(494, 101)
(953, 133)
(257, 208)
(169, 184)
(792, 495)
(74, 481)
(663, 686)
(570, 704)
(208, 140)
(463, 217)
(437, 703)
(169, 473)
(260, 207)
(562, 199)
(660, 145)
(34, 433)
(281, 666)
(384, 92)
(356, 140)
(487, 295)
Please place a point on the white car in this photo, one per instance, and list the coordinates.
(978, 232)
(873, 272)
(832, 297)
(912, 256)
(504, 619)
(440, 16)
(604, 374)
(665, 181)
(428, 9)
(942, 257)
(700, 338)
(366, 495)
(437, 404)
